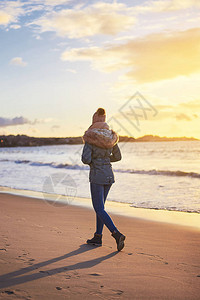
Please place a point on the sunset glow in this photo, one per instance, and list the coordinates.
(62, 59)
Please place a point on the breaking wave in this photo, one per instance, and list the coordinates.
(154, 172)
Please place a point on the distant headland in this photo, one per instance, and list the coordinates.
(28, 141)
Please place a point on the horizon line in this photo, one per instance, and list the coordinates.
(124, 136)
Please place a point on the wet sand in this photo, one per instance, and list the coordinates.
(43, 255)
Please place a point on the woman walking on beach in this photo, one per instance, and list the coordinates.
(99, 151)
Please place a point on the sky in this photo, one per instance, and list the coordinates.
(60, 60)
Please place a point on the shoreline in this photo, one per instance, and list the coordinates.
(10, 141)
(187, 219)
(44, 255)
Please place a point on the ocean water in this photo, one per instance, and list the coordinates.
(159, 175)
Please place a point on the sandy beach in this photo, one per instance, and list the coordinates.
(43, 255)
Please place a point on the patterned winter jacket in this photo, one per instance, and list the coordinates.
(99, 151)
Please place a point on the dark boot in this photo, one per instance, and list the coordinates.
(119, 237)
(96, 240)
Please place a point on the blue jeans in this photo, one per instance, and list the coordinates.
(99, 194)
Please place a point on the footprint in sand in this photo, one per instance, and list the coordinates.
(24, 257)
(56, 230)
(76, 275)
(96, 274)
(19, 294)
(8, 292)
(44, 272)
(21, 259)
(30, 261)
(118, 292)
(154, 257)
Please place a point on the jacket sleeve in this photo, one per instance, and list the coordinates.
(87, 154)
(116, 154)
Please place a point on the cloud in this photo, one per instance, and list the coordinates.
(18, 61)
(183, 117)
(10, 11)
(179, 112)
(5, 18)
(86, 20)
(150, 58)
(167, 5)
(193, 105)
(48, 2)
(55, 127)
(56, 2)
(4, 122)
(15, 26)
(100, 18)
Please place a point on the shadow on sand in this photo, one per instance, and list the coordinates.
(18, 277)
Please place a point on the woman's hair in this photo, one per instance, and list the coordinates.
(101, 111)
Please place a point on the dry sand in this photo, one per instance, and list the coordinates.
(43, 255)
